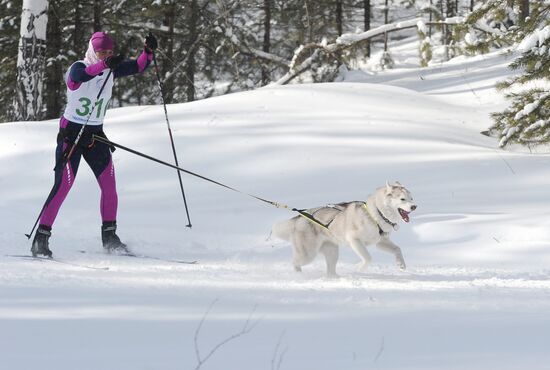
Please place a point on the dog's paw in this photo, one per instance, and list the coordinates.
(401, 264)
(362, 266)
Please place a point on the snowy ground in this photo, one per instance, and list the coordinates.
(476, 294)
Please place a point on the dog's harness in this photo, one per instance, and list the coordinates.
(380, 231)
(311, 217)
(339, 208)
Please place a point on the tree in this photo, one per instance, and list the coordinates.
(98, 5)
(193, 27)
(79, 45)
(54, 95)
(490, 25)
(524, 10)
(31, 59)
(267, 38)
(366, 21)
(213, 47)
(527, 120)
(10, 21)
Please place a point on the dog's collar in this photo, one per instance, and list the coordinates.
(380, 231)
(393, 224)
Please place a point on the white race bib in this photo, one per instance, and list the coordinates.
(83, 105)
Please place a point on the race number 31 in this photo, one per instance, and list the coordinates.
(86, 107)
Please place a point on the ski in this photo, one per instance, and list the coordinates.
(53, 259)
(145, 256)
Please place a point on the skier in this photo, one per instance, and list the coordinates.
(85, 79)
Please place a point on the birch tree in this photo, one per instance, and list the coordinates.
(31, 59)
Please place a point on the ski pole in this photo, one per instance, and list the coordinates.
(171, 137)
(302, 212)
(67, 157)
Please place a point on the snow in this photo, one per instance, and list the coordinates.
(537, 38)
(422, 27)
(475, 295)
(350, 38)
(35, 11)
(527, 110)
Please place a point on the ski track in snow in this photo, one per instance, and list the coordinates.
(475, 294)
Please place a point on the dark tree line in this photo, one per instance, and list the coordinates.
(212, 47)
(207, 47)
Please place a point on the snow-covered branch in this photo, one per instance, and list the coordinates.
(349, 39)
(301, 64)
(246, 49)
(266, 56)
(296, 71)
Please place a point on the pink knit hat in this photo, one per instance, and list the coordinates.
(102, 41)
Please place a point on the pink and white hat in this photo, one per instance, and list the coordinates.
(102, 41)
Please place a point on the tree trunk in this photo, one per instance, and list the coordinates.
(190, 67)
(54, 72)
(31, 59)
(169, 20)
(366, 20)
(386, 21)
(339, 16)
(451, 11)
(524, 10)
(78, 41)
(98, 7)
(267, 39)
(442, 14)
(308, 21)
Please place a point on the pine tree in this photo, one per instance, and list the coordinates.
(493, 23)
(527, 120)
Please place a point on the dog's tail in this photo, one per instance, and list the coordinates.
(283, 230)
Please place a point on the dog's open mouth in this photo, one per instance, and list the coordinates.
(404, 214)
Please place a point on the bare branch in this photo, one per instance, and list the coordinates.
(380, 351)
(277, 358)
(247, 328)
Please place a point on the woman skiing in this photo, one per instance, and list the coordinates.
(89, 87)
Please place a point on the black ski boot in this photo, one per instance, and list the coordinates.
(111, 241)
(40, 242)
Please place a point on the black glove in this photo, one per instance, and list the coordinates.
(102, 134)
(151, 43)
(113, 61)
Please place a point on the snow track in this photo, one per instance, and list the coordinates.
(476, 294)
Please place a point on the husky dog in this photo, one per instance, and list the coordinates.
(357, 224)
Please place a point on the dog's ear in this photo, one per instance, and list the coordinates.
(389, 188)
(397, 183)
